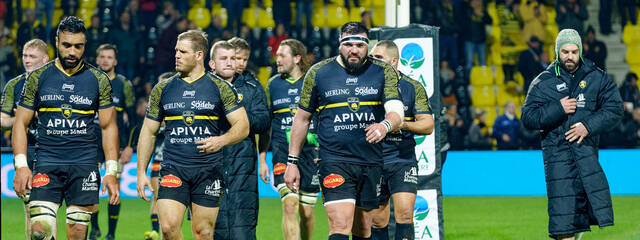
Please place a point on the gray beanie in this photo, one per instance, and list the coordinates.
(568, 36)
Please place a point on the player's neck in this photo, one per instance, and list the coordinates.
(295, 73)
(194, 74)
(69, 71)
(112, 74)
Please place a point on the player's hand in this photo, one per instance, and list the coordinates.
(375, 133)
(22, 181)
(125, 156)
(263, 168)
(506, 137)
(112, 185)
(143, 182)
(292, 177)
(568, 104)
(210, 144)
(577, 131)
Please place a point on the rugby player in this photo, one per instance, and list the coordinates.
(357, 103)
(66, 93)
(123, 101)
(194, 106)
(283, 95)
(399, 175)
(34, 55)
(239, 221)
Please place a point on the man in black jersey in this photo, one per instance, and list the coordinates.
(283, 95)
(196, 108)
(123, 101)
(67, 93)
(357, 102)
(34, 55)
(400, 170)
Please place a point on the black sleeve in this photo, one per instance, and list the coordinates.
(258, 111)
(609, 108)
(540, 112)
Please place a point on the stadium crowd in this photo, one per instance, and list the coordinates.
(145, 32)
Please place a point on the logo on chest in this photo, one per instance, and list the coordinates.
(188, 117)
(76, 99)
(67, 87)
(292, 91)
(66, 110)
(293, 108)
(353, 103)
(189, 94)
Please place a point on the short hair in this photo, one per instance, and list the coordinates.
(71, 24)
(198, 39)
(37, 44)
(354, 28)
(106, 46)
(240, 43)
(298, 48)
(220, 44)
(389, 46)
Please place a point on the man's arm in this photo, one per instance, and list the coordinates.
(422, 126)
(110, 142)
(609, 108)
(263, 146)
(299, 129)
(258, 113)
(6, 120)
(146, 143)
(540, 113)
(238, 131)
(22, 179)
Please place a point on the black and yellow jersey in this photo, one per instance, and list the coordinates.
(66, 105)
(11, 97)
(346, 103)
(283, 96)
(400, 146)
(124, 102)
(192, 111)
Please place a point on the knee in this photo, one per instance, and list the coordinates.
(43, 222)
(290, 206)
(379, 220)
(404, 215)
(340, 225)
(169, 227)
(203, 232)
(307, 216)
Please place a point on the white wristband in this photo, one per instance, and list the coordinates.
(20, 161)
(111, 167)
(386, 124)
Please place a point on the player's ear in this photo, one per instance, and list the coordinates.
(115, 63)
(394, 61)
(199, 55)
(212, 65)
(297, 59)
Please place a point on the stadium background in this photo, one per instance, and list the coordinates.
(469, 173)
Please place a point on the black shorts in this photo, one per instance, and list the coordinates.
(76, 184)
(156, 160)
(398, 177)
(308, 170)
(350, 182)
(31, 157)
(200, 185)
(155, 169)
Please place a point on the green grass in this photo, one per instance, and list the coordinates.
(465, 218)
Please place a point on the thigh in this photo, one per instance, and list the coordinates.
(207, 186)
(279, 161)
(171, 212)
(403, 177)
(83, 185)
(173, 185)
(338, 183)
(48, 183)
(368, 187)
(309, 181)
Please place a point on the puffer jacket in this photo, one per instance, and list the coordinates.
(238, 214)
(577, 188)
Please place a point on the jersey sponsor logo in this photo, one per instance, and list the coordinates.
(170, 181)
(75, 99)
(200, 105)
(186, 131)
(581, 100)
(333, 181)
(174, 105)
(51, 97)
(364, 91)
(66, 110)
(354, 103)
(189, 94)
(337, 92)
(66, 123)
(214, 189)
(90, 183)
(292, 91)
(351, 81)
(279, 168)
(188, 117)
(68, 87)
(40, 180)
(561, 87)
(293, 108)
(281, 101)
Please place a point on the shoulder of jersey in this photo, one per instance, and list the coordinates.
(380, 63)
(122, 78)
(42, 68)
(17, 79)
(274, 77)
(322, 63)
(96, 71)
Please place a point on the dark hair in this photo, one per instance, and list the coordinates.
(71, 24)
(354, 28)
(106, 46)
(298, 49)
(240, 43)
(630, 76)
(389, 46)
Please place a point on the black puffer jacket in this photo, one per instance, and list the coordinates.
(238, 215)
(577, 187)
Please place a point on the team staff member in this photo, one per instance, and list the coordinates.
(239, 206)
(66, 92)
(347, 93)
(123, 100)
(34, 55)
(399, 177)
(193, 105)
(283, 95)
(573, 102)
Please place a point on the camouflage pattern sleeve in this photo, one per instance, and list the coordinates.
(105, 91)
(421, 102)
(391, 91)
(228, 97)
(8, 98)
(154, 108)
(308, 98)
(129, 99)
(30, 90)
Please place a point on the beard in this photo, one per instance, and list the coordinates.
(352, 67)
(571, 69)
(69, 65)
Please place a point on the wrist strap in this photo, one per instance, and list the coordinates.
(292, 159)
(20, 161)
(111, 167)
(386, 124)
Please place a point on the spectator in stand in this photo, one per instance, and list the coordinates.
(506, 128)
(474, 20)
(169, 16)
(165, 52)
(127, 39)
(29, 29)
(7, 60)
(69, 7)
(627, 10)
(234, 11)
(631, 128)
(571, 14)
(456, 129)
(534, 17)
(148, 12)
(365, 18)
(479, 136)
(629, 91)
(304, 9)
(279, 36)
(530, 64)
(604, 16)
(511, 37)
(215, 29)
(447, 83)
(4, 30)
(595, 50)
(247, 35)
(445, 16)
(136, 19)
(47, 7)
(95, 37)
(282, 14)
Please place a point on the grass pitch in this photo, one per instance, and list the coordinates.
(465, 218)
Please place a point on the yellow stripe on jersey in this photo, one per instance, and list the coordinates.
(408, 118)
(284, 110)
(201, 117)
(119, 109)
(345, 104)
(72, 110)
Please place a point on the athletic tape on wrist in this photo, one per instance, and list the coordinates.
(20, 161)
(386, 124)
(292, 159)
(111, 167)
